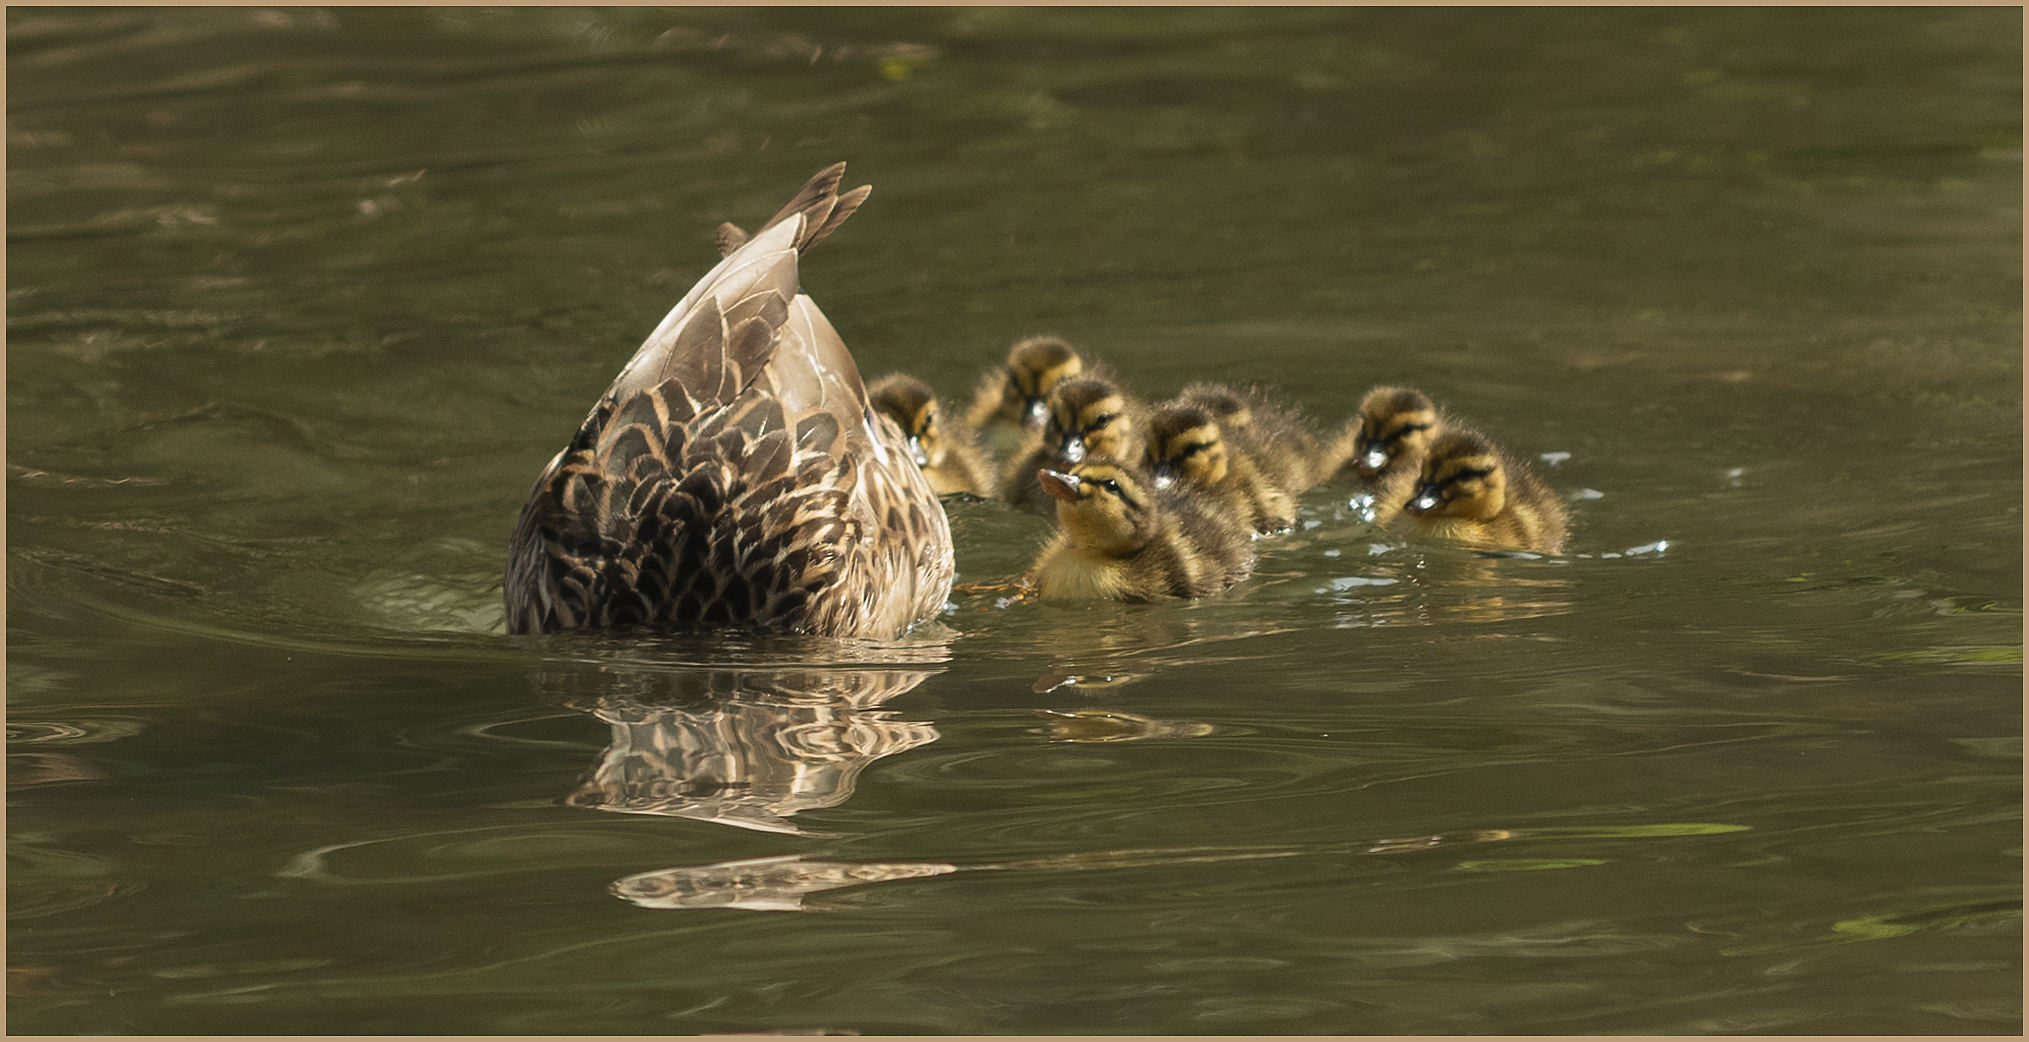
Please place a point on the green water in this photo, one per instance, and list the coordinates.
(300, 301)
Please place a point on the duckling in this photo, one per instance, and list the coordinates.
(1386, 444)
(1088, 416)
(1008, 408)
(734, 474)
(1188, 448)
(944, 447)
(1275, 438)
(1471, 492)
(1122, 539)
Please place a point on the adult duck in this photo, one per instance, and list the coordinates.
(734, 474)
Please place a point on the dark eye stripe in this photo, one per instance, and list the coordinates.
(1113, 487)
(1402, 432)
(1457, 476)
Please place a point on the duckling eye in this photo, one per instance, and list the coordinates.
(1103, 419)
(1113, 489)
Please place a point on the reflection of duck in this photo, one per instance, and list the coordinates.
(1010, 400)
(1088, 417)
(733, 474)
(1121, 539)
(943, 446)
(1393, 432)
(1112, 725)
(747, 748)
(764, 884)
(1471, 492)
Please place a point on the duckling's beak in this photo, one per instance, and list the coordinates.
(1163, 474)
(1371, 463)
(1034, 413)
(1073, 451)
(916, 447)
(1426, 500)
(1059, 485)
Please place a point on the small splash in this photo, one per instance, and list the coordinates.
(1654, 549)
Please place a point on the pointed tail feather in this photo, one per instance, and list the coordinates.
(823, 209)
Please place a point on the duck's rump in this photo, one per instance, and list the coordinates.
(738, 518)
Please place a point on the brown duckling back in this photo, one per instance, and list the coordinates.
(1120, 538)
(1472, 492)
(944, 447)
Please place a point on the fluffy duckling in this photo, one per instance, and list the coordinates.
(1087, 416)
(1188, 448)
(1471, 492)
(1009, 405)
(945, 448)
(1386, 445)
(1275, 437)
(1122, 539)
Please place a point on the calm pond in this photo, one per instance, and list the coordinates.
(300, 301)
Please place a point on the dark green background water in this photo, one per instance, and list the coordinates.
(300, 301)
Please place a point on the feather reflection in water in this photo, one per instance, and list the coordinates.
(1112, 725)
(747, 748)
(777, 884)
(768, 884)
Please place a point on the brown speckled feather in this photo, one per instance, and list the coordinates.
(733, 475)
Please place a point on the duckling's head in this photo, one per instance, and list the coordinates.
(1463, 477)
(1185, 444)
(1091, 417)
(1034, 366)
(1396, 426)
(913, 405)
(1103, 504)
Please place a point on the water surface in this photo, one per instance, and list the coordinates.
(301, 300)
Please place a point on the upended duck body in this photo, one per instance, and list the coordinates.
(734, 475)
